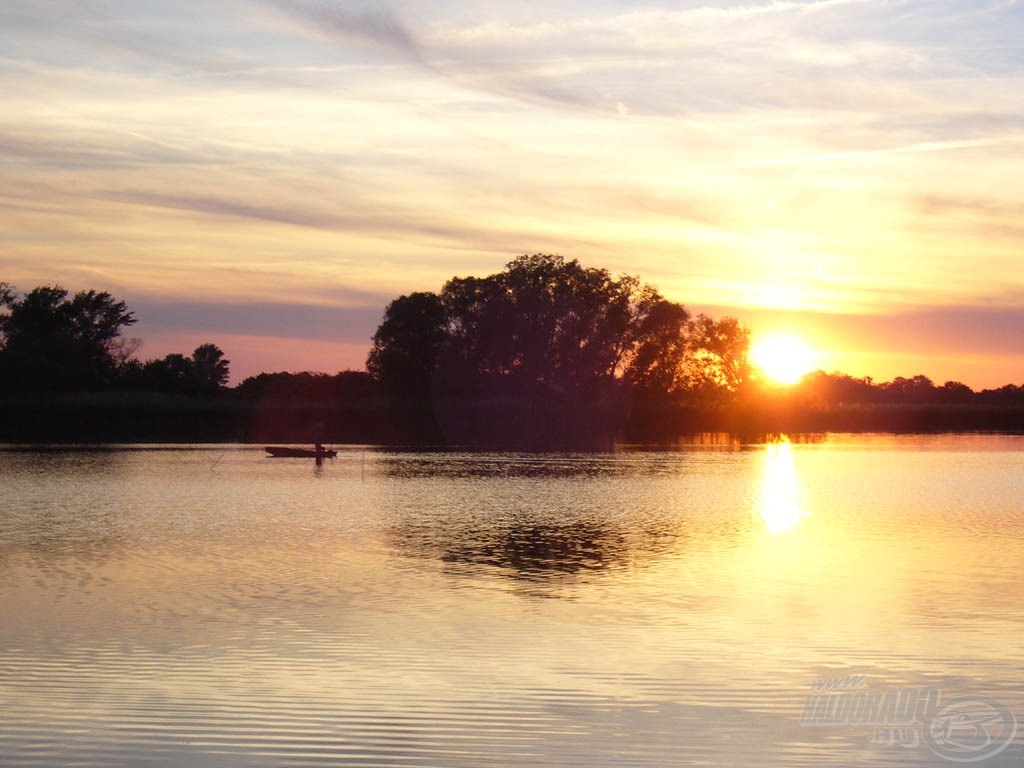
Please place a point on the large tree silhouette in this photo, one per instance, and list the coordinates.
(548, 352)
(545, 324)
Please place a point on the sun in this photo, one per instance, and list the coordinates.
(783, 358)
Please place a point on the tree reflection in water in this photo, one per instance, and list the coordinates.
(537, 547)
(525, 529)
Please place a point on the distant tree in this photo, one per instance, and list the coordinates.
(262, 384)
(205, 372)
(1007, 395)
(346, 386)
(919, 389)
(52, 342)
(834, 389)
(955, 392)
(210, 369)
(172, 373)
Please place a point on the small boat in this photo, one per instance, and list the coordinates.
(278, 452)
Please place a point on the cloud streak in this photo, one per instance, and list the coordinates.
(927, 146)
(372, 26)
(343, 324)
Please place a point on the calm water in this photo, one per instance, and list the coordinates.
(207, 606)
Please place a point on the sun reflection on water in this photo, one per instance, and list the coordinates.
(780, 502)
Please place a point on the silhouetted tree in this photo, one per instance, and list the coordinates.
(919, 389)
(548, 345)
(347, 406)
(172, 373)
(205, 372)
(955, 392)
(406, 345)
(210, 369)
(1007, 395)
(715, 364)
(536, 355)
(51, 342)
(660, 350)
(347, 386)
(552, 325)
(833, 389)
(7, 297)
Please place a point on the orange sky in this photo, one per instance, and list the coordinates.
(267, 176)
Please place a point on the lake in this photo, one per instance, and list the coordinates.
(844, 600)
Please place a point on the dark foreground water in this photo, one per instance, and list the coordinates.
(207, 606)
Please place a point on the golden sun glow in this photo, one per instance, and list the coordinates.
(780, 501)
(783, 358)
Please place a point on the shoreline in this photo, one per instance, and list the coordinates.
(127, 418)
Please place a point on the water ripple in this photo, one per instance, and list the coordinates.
(209, 607)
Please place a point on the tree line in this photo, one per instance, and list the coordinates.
(830, 390)
(52, 341)
(546, 353)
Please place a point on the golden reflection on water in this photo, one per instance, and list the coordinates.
(780, 503)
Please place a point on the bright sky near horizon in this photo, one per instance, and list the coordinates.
(267, 175)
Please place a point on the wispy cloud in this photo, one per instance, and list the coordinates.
(282, 320)
(927, 146)
(371, 25)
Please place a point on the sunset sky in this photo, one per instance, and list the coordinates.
(268, 175)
